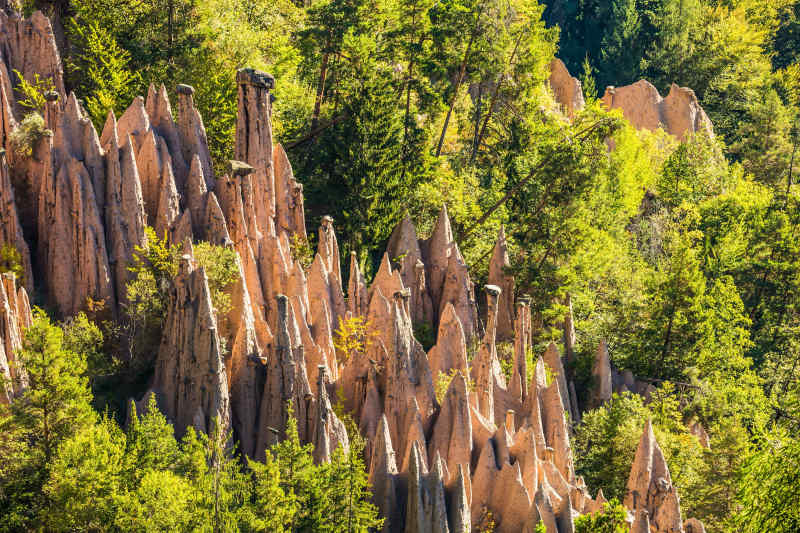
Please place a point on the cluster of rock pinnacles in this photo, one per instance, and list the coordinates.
(491, 450)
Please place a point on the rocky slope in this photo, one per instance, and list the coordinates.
(679, 113)
(492, 449)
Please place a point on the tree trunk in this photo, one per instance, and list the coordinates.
(477, 126)
(493, 101)
(461, 71)
(580, 137)
(791, 163)
(323, 73)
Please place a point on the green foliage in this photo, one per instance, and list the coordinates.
(24, 138)
(605, 443)
(425, 334)
(278, 507)
(362, 156)
(49, 411)
(683, 256)
(162, 501)
(85, 479)
(222, 269)
(32, 93)
(83, 336)
(101, 67)
(505, 355)
(220, 489)
(301, 251)
(158, 35)
(767, 495)
(11, 261)
(327, 497)
(154, 266)
(443, 380)
(611, 520)
(353, 337)
(588, 84)
(347, 505)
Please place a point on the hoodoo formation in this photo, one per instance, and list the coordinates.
(488, 450)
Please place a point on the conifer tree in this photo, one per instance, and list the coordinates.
(299, 479)
(361, 155)
(53, 407)
(85, 480)
(220, 488)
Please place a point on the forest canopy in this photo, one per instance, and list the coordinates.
(683, 256)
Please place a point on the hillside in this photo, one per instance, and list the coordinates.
(399, 266)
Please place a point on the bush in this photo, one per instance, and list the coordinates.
(353, 336)
(301, 251)
(32, 95)
(611, 520)
(11, 261)
(27, 134)
(443, 380)
(221, 270)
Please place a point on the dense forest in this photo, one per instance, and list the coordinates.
(683, 256)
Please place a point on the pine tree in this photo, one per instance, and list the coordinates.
(274, 508)
(220, 489)
(150, 443)
(675, 294)
(352, 511)
(85, 480)
(768, 494)
(299, 479)
(52, 408)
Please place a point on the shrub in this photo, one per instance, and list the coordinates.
(443, 380)
(32, 95)
(611, 520)
(353, 336)
(11, 261)
(221, 270)
(27, 134)
(301, 251)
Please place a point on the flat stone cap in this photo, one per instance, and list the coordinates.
(51, 96)
(239, 168)
(255, 77)
(404, 294)
(494, 290)
(182, 88)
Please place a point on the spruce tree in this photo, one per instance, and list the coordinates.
(362, 155)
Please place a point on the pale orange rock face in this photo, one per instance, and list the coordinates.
(567, 90)
(11, 233)
(404, 250)
(679, 114)
(29, 47)
(190, 381)
(500, 276)
(15, 317)
(650, 492)
(450, 351)
(487, 446)
(601, 373)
